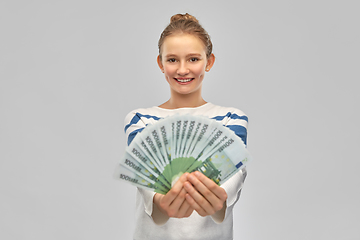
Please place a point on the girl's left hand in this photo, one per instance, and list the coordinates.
(203, 195)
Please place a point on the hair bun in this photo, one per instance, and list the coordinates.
(185, 16)
(187, 24)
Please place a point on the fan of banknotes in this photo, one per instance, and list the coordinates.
(162, 152)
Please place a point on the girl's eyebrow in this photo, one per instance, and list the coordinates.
(188, 55)
(170, 55)
(194, 54)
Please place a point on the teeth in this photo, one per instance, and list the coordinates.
(184, 80)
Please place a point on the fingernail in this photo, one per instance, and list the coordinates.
(197, 174)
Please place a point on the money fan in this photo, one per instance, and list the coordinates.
(162, 152)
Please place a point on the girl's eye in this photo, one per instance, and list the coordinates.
(194, 59)
(171, 60)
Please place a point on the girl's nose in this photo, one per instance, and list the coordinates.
(182, 69)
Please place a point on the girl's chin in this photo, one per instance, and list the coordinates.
(184, 90)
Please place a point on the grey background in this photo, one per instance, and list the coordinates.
(71, 70)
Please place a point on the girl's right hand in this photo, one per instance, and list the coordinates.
(174, 203)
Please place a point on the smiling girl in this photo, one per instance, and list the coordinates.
(195, 207)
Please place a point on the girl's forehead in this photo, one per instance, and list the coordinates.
(183, 42)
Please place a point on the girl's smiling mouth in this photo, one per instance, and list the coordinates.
(184, 80)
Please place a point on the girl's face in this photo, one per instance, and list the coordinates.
(184, 63)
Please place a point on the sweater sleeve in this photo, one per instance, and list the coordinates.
(147, 197)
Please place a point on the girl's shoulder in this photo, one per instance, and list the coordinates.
(142, 113)
(217, 110)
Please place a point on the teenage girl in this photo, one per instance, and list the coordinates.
(195, 207)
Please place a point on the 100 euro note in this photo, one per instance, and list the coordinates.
(228, 157)
(194, 136)
(180, 126)
(182, 144)
(138, 151)
(135, 178)
(159, 142)
(217, 151)
(155, 147)
(189, 133)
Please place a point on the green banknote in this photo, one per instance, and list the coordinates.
(133, 164)
(166, 137)
(141, 150)
(138, 151)
(162, 152)
(125, 174)
(193, 137)
(228, 157)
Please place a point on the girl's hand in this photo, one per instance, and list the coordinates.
(203, 195)
(174, 204)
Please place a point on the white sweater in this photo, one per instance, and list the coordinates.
(194, 227)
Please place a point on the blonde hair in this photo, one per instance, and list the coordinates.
(186, 23)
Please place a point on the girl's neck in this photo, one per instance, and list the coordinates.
(181, 101)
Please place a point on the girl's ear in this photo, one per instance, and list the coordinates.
(160, 63)
(210, 62)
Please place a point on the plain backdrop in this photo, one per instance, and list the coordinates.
(71, 70)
